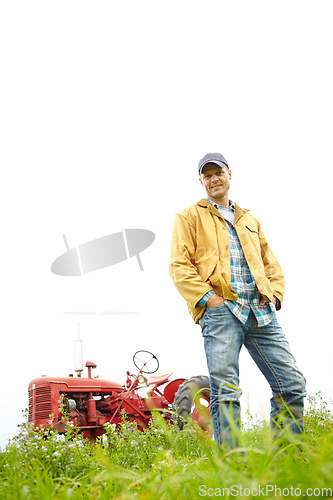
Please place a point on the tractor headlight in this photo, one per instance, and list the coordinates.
(71, 404)
(142, 379)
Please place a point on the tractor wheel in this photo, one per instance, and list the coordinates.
(192, 401)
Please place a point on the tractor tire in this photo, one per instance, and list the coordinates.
(192, 401)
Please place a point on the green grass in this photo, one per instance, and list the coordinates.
(165, 463)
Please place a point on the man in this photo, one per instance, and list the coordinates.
(233, 284)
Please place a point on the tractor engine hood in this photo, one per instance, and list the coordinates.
(76, 384)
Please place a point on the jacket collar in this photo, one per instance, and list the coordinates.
(239, 212)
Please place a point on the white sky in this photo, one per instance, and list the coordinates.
(106, 108)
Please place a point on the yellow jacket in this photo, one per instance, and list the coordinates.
(200, 256)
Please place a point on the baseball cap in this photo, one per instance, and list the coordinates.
(212, 158)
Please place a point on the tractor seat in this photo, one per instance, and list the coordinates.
(159, 379)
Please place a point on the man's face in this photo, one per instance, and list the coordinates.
(216, 181)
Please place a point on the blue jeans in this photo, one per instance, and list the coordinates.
(224, 335)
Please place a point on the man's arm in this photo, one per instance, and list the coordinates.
(273, 269)
(182, 267)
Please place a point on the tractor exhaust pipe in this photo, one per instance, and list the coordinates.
(78, 352)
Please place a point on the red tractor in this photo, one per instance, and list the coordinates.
(92, 402)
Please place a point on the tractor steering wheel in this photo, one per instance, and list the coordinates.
(146, 362)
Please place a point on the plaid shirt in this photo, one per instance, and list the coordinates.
(242, 281)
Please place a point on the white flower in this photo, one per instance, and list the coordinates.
(111, 427)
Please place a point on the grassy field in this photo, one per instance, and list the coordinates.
(165, 463)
